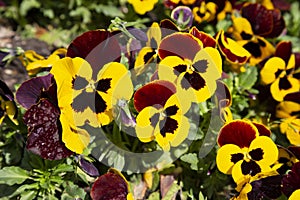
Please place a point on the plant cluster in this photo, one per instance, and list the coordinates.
(203, 105)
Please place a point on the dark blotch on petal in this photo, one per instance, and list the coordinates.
(168, 126)
(179, 69)
(193, 80)
(149, 56)
(256, 154)
(201, 66)
(295, 97)
(246, 36)
(278, 72)
(251, 168)
(284, 84)
(80, 83)
(253, 48)
(83, 101)
(172, 110)
(100, 104)
(103, 85)
(236, 157)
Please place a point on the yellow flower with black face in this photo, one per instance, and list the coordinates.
(149, 53)
(167, 125)
(194, 71)
(206, 12)
(278, 71)
(291, 127)
(245, 150)
(258, 46)
(142, 6)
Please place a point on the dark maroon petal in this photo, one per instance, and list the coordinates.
(281, 5)
(262, 129)
(167, 27)
(278, 24)
(295, 97)
(88, 167)
(183, 45)
(297, 58)
(284, 50)
(237, 132)
(109, 186)
(30, 91)
(206, 39)
(155, 93)
(5, 92)
(269, 187)
(295, 150)
(44, 138)
(262, 23)
(98, 47)
(291, 181)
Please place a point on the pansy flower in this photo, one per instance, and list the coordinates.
(35, 62)
(245, 150)
(267, 23)
(258, 46)
(148, 53)
(183, 17)
(161, 117)
(112, 185)
(205, 12)
(278, 72)
(38, 96)
(7, 104)
(97, 47)
(195, 70)
(87, 99)
(142, 6)
(233, 52)
(224, 101)
(291, 181)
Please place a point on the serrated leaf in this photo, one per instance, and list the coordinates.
(13, 175)
(191, 158)
(248, 78)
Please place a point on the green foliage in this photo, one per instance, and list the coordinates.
(13, 175)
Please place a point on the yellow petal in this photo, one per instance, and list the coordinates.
(224, 157)
(295, 195)
(270, 68)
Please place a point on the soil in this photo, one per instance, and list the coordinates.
(14, 73)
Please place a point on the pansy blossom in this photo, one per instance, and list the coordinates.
(245, 150)
(142, 6)
(162, 118)
(112, 185)
(278, 71)
(194, 71)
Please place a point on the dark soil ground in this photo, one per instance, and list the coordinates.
(15, 73)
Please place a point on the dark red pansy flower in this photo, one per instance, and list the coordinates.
(43, 128)
(183, 45)
(111, 185)
(155, 93)
(238, 132)
(206, 39)
(268, 187)
(98, 47)
(291, 181)
(31, 90)
(267, 23)
(284, 50)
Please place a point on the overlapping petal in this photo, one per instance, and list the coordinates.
(142, 6)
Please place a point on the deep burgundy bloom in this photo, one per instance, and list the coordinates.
(291, 181)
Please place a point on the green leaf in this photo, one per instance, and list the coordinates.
(248, 78)
(27, 5)
(82, 12)
(28, 195)
(192, 159)
(172, 192)
(23, 188)
(154, 196)
(109, 10)
(13, 175)
(72, 191)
